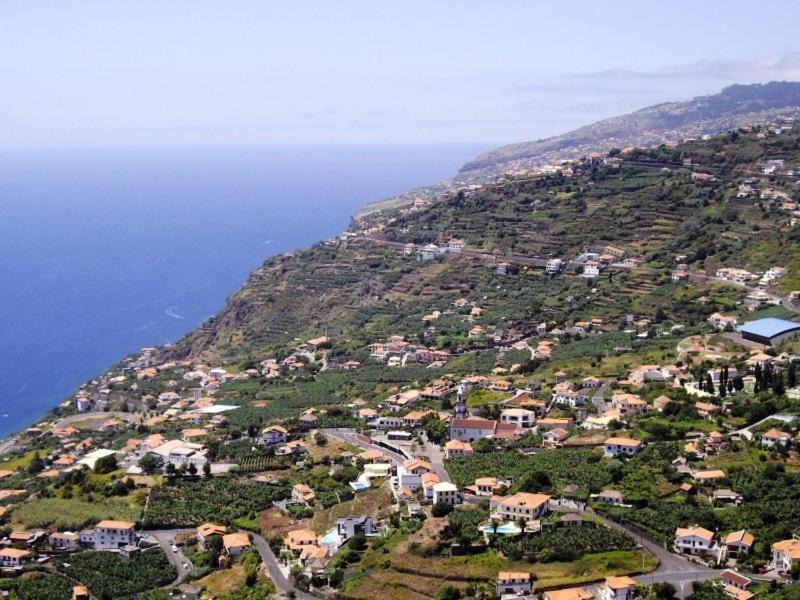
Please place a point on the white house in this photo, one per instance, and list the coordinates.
(235, 543)
(613, 497)
(554, 265)
(409, 474)
(274, 434)
(522, 504)
(520, 417)
(110, 535)
(775, 438)
(64, 540)
(454, 448)
(619, 446)
(694, 540)
(446, 493)
(428, 480)
(513, 582)
(178, 452)
(570, 397)
(554, 437)
(591, 268)
(455, 245)
(387, 422)
(471, 429)
(303, 494)
(486, 486)
(618, 588)
(13, 557)
(739, 543)
(430, 251)
(785, 554)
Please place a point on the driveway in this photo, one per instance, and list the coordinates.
(165, 539)
(274, 569)
(598, 398)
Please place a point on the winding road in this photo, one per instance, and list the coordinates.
(672, 568)
(166, 537)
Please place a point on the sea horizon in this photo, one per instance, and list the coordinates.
(107, 250)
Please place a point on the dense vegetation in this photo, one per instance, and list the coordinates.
(580, 466)
(38, 587)
(221, 499)
(110, 576)
(770, 510)
(563, 543)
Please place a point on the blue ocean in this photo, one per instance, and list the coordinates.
(105, 251)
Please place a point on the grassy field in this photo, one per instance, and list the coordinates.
(332, 448)
(480, 396)
(224, 581)
(18, 462)
(71, 514)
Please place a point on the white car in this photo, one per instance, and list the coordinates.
(174, 548)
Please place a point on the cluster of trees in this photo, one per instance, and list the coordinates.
(39, 587)
(109, 575)
(726, 384)
(770, 379)
(563, 543)
(221, 499)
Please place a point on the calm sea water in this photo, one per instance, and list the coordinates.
(105, 251)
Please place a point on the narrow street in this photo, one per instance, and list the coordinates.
(598, 399)
(274, 569)
(165, 539)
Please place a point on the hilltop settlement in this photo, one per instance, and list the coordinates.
(575, 383)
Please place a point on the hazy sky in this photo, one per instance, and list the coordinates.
(144, 72)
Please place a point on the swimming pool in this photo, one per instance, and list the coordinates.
(331, 538)
(507, 528)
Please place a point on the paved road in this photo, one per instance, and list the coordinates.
(598, 399)
(436, 456)
(672, 568)
(785, 301)
(349, 436)
(682, 580)
(122, 416)
(746, 433)
(165, 539)
(432, 451)
(275, 572)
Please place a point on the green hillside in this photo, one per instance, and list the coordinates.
(362, 287)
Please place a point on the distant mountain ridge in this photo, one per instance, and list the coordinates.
(734, 106)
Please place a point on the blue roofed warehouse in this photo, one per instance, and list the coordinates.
(769, 331)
